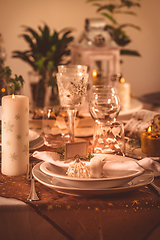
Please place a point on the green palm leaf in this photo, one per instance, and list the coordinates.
(130, 4)
(129, 25)
(126, 12)
(110, 17)
(129, 52)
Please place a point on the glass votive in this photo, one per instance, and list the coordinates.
(109, 138)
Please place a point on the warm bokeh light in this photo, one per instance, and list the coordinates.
(122, 80)
(13, 96)
(94, 73)
(149, 129)
(3, 90)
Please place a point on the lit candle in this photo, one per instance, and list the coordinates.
(94, 75)
(15, 135)
(150, 143)
(124, 94)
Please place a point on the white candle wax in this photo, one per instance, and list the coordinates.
(124, 93)
(15, 135)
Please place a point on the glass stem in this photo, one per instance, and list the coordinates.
(71, 123)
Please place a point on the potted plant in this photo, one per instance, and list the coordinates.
(46, 51)
(9, 84)
(111, 8)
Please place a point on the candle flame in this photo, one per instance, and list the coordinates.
(94, 73)
(122, 80)
(13, 96)
(149, 129)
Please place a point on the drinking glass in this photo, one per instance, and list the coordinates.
(72, 86)
(51, 132)
(104, 108)
(109, 138)
(104, 104)
(72, 68)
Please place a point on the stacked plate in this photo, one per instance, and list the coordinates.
(35, 141)
(120, 174)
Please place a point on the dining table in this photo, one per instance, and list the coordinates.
(131, 214)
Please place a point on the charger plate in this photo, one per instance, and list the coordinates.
(113, 171)
(142, 180)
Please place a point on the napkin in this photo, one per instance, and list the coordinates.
(106, 164)
(51, 157)
(133, 164)
(139, 122)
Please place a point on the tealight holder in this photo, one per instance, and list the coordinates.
(150, 143)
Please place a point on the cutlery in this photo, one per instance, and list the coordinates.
(157, 188)
(156, 174)
(32, 195)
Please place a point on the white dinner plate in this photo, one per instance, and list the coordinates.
(33, 135)
(142, 180)
(113, 177)
(35, 141)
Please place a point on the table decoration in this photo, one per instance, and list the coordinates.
(72, 87)
(114, 178)
(50, 128)
(124, 92)
(104, 108)
(35, 144)
(15, 134)
(57, 157)
(96, 166)
(124, 209)
(29, 177)
(116, 168)
(111, 163)
(150, 139)
(50, 182)
(139, 122)
(44, 60)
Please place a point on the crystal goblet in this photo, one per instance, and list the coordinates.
(72, 68)
(104, 109)
(72, 87)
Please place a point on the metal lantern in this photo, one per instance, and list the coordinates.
(95, 49)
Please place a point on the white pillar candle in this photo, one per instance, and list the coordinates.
(15, 135)
(124, 92)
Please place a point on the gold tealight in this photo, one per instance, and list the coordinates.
(150, 143)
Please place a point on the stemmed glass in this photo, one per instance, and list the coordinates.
(104, 108)
(104, 104)
(72, 83)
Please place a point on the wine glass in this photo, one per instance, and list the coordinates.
(72, 68)
(104, 108)
(72, 86)
(104, 104)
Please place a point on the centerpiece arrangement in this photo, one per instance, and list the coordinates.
(47, 50)
(150, 139)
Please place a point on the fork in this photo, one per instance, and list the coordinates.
(29, 177)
